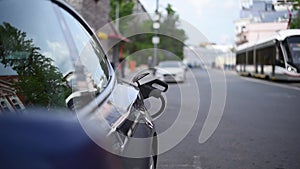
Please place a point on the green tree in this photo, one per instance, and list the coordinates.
(140, 41)
(125, 9)
(170, 10)
(172, 38)
(295, 23)
(39, 82)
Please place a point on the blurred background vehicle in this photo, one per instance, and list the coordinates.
(171, 71)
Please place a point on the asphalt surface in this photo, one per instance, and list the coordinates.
(259, 128)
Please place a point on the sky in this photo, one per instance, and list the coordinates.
(213, 18)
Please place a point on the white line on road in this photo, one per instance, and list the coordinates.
(171, 166)
(196, 165)
(197, 162)
(271, 83)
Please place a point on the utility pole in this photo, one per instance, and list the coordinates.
(155, 38)
(115, 58)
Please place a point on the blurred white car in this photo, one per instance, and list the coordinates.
(171, 71)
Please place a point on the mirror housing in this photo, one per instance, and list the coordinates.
(153, 88)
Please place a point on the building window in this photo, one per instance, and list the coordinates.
(243, 29)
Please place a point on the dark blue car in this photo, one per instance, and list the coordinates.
(61, 105)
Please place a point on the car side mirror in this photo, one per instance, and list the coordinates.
(153, 88)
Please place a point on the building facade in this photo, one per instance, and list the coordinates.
(95, 12)
(260, 19)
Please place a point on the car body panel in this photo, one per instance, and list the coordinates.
(51, 61)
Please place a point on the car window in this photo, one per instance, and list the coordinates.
(40, 56)
(89, 51)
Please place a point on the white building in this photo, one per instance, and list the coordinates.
(260, 19)
(213, 56)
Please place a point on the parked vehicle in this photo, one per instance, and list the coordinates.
(171, 71)
(60, 96)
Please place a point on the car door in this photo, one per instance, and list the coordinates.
(51, 61)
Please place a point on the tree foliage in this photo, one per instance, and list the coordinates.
(39, 82)
(125, 9)
(295, 23)
(172, 38)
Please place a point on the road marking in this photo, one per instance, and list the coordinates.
(197, 162)
(176, 166)
(271, 83)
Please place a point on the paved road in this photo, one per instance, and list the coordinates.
(259, 128)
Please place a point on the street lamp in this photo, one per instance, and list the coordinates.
(155, 40)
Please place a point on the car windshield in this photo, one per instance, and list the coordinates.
(40, 54)
(169, 64)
